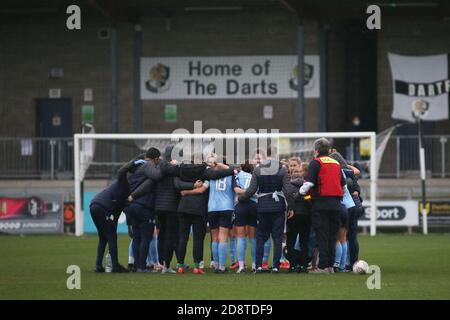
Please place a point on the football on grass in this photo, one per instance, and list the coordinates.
(360, 267)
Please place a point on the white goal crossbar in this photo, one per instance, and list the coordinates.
(78, 138)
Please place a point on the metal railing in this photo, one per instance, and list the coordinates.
(52, 158)
(401, 157)
(31, 158)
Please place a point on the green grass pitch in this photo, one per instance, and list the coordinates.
(34, 267)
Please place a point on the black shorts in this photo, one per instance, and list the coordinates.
(222, 219)
(245, 214)
(343, 217)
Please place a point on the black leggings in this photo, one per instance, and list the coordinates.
(107, 234)
(198, 223)
(161, 223)
(299, 225)
(168, 236)
(353, 216)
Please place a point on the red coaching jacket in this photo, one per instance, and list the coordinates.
(329, 178)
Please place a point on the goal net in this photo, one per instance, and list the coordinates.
(98, 156)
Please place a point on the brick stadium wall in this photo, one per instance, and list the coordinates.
(30, 47)
(33, 47)
(336, 79)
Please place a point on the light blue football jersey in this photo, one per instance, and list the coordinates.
(221, 194)
(243, 181)
(347, 199)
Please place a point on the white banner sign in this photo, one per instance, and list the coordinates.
(422, 84)
(234, 77)
(393, 213)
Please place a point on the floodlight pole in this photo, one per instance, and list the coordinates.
(373, 184)
(78, 201)
(422, 176)
(323, 99)
(300, 77)
(80, 181)
(114, 90)
(137, 53)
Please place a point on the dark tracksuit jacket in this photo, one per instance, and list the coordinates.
(268, 183)
(105, 209)
(299, 225)
(144, 201)
(271, 213)
(114, 198)
(299, 205)
(166, 195)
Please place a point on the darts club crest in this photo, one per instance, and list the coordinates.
(420, 109)
(158, 80)
(308, 79)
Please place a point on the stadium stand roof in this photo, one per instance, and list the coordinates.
(131, 10)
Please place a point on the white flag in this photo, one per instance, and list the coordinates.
(421, 82)
(381, 143)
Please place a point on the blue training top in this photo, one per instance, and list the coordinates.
(221, 194)
(243, 181)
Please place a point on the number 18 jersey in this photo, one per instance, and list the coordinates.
(221, 194)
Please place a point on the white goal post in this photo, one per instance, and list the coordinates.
(175, 137)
